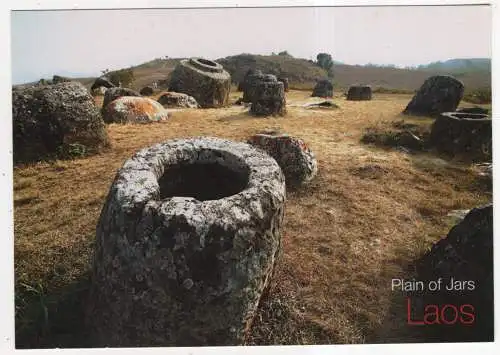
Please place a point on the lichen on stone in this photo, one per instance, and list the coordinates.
(202, 263)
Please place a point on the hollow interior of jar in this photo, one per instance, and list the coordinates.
(214, 175)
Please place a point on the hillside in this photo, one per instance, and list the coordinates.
(303, 73)
(404, 79)
(459, 65)
(295, 69)
(299, 71)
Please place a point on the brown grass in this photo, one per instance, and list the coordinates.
(368, 214)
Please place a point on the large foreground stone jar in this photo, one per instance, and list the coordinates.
(203, 79)
(186, 244)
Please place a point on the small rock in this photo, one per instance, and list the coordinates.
(293, 156)
(134, 110)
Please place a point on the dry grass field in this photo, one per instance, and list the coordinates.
(362, 221)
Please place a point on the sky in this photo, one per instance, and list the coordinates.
(85, 42)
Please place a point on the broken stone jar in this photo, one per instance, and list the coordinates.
(186, 244)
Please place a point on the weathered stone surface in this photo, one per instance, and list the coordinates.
(132, 109)
(176, 99)
(146, 91)
(203, 79)
(113, 93)
(268, 98)
(252, 78)
(359, 93)
(242, 84)
(438, 94)
(102, 82)
(457, 133)
(186, 243)
(100, 91)
(466, 254)
(51, 121)
(293, 156)
(323, 88)
(285, 83)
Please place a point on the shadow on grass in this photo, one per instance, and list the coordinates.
(244, 116)
(51, 319)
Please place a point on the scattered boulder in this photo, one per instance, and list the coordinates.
(359, 93)
(133, 109)
(438, 94)
(323, 88)
(456, 133)
(58, 120)
(176, 99)
(147, 91)
(285, 83)
(268, 98)
(186, 244)
(465, 254)
(203, 79)
(113, 93)
(293, 156)
(102, 82)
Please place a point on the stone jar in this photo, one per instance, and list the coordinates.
(186, 244)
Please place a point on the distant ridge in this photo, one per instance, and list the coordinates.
(459, 64)
(302, 73)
